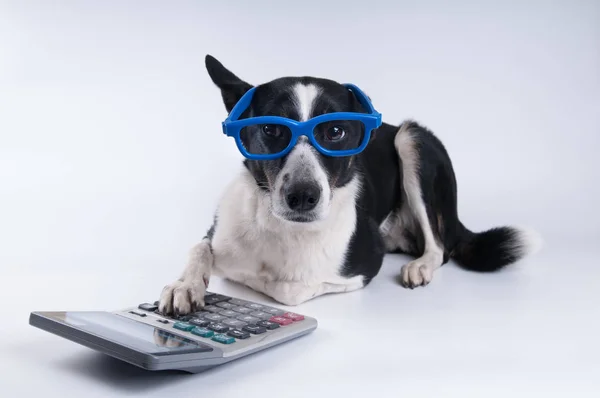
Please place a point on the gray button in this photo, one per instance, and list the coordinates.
(201, 314)
(234, 323)
(228, 313)
(212, 308)
(273, 311)
(261, 315)
(214, 317)
(248, 319)
(225, 305)
(255, 306)
(238, 302)
(242, 310)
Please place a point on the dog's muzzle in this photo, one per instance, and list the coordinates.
(302, 197)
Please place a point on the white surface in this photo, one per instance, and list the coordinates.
(111, 162)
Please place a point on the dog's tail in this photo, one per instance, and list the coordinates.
(495, 248)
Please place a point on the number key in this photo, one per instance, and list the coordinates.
(238, 334)
(262, 315)
(254, 329)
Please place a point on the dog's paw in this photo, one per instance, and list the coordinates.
(182, 297)
(416, 273)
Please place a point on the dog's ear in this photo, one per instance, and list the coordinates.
(232, 87)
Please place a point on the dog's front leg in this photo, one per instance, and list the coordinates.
(186, 294)
(294, 293)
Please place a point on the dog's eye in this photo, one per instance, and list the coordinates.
(335, 133)
(271, 130)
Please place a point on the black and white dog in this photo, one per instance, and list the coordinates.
(306, 224)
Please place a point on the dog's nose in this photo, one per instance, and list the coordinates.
(303, 197)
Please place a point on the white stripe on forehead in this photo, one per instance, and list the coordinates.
(304, 98)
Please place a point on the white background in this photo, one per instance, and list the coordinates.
(112, 161)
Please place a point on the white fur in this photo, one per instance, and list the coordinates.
(290, 262)
(527, 242)
(304, 97)
(393, 227)
(192, 285)
(418, 272)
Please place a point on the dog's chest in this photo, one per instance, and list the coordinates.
(307, 256)
(250, 243)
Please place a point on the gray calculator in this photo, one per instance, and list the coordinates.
(227, 328)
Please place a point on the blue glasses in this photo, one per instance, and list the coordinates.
(332, 134)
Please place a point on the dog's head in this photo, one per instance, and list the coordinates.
(301, 184)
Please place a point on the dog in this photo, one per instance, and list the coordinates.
(307, 224)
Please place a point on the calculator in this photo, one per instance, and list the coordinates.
(227, 328)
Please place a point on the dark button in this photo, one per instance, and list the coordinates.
(273, 311)
(254, 329)
(137, 313)
(218, 327)
(148, 307)
(185, 318)
(162, 321)
(215, 298)
(156, 303)
(248, 319)
(212, 308)
(242, 310)
(228, 313)
(201, 314)
(267, 324)
(238, 302)
(214, 317)
(225, 305)
(238, 334)
(199, 322)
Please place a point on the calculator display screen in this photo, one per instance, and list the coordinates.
(137, 335)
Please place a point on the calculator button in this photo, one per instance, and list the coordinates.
(218, 327)
(201, 314)
(137, 313)
(184, 318)
(293, 316)
(238, 334)
(281, 320)
(212, 308)
(224, 339)
(148, 307)
(183, 326)
(215, 298)
(238, 302)
(274, 311)
(248, 318)
(199, 322)
(202, 332)
(162, 321)
(255, 306)
(254, 329)
(262, 315)
(228, 313)
(225, 305)
(268, 325)
(234, 323)
(242, 310)
(214, 317)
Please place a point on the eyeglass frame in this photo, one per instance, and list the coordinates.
(232, 126)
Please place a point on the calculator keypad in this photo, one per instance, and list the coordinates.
(225, 319)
